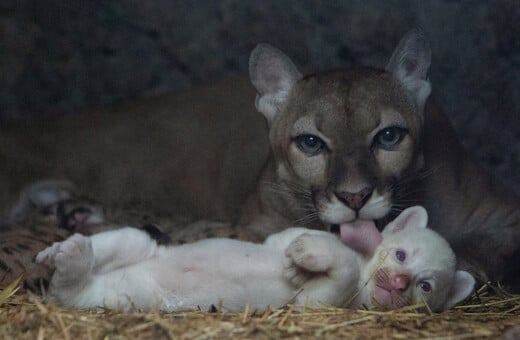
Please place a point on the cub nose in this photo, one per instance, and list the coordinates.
(355, 200)
(400, 281)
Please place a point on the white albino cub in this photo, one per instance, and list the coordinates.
(406, 264)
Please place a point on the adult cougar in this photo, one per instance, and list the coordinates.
(340, 145)
(362, 143)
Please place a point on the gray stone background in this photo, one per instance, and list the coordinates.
(57, 56)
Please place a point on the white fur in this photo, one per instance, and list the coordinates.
(429, 258)
(124, 268)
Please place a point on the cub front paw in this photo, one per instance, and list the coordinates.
(73, 256)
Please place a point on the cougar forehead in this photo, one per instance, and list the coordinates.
(341, 100)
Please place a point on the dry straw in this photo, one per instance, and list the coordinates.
(491, 313)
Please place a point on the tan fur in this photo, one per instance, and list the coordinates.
(205, 154)
(194, 153)
(458, 192)
(317, 105)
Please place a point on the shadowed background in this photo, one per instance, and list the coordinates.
(59, 56)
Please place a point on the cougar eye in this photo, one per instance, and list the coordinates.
(400, 255)
(425, 286)
(309, 144)
(389, 137)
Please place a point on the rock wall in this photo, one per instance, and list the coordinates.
(58, 56)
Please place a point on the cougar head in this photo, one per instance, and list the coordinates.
(343, 141)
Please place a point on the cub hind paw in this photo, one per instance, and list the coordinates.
(311, 252)
(72, 256)
(47, 255)
(294, 274)
(309, 256)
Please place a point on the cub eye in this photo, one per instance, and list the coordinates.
(425, 286)
(389, 137)
(309, 144)
(400, 255)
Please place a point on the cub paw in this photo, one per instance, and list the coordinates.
(311, 252)
(47, 255)
(294, 274)
(71, 258)
(306, 256)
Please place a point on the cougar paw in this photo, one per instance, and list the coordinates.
(78, 214)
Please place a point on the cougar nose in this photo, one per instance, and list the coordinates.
(356, 200)
(400, 281)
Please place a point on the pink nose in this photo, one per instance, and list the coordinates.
(400, 281)
(355, 200)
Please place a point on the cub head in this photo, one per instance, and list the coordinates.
(413, 265)
(343, 141)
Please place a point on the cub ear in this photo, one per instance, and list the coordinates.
(410, 63)
(273, 74)
(415, 217)
(463, 286)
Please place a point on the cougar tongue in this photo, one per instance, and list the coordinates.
(361, 235)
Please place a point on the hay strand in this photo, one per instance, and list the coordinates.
(10, 290)
(484, 316)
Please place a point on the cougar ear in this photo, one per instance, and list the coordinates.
(410, 63)
(273, 75)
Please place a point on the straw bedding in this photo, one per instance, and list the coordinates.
(489, 314)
